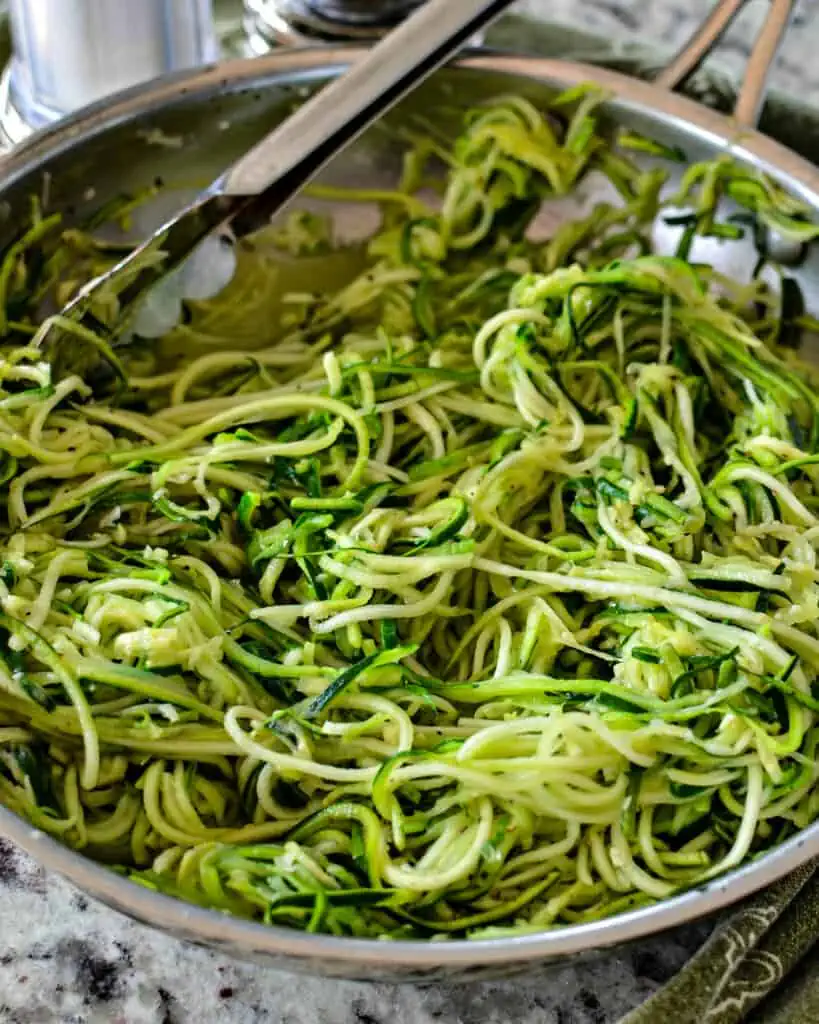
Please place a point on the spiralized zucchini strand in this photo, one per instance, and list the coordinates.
(470, 590)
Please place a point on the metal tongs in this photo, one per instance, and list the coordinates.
(243, 199)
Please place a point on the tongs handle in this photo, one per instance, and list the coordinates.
(344, 108)
(752, 90)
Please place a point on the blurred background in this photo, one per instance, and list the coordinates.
(62, 54)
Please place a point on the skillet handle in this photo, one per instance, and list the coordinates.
(752, 90)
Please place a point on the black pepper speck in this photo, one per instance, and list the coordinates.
(591, 1004)
(168, 1007)
(361, 1015)
(80, 902)
(649, 966)
(9, 864)
(99, 978)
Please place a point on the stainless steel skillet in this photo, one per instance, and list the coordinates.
(215, 113)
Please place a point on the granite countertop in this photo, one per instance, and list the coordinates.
(65, 959)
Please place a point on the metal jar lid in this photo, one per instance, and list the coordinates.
(68, 53)
(271, 23)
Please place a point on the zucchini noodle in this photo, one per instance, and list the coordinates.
(474, 592)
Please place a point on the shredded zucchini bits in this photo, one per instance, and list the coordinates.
(474, 593)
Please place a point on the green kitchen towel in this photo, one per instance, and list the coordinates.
(760, 966)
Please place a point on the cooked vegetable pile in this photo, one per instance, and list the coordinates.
(476, 595)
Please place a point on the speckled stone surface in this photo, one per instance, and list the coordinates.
(67, 959)
(64, 959)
